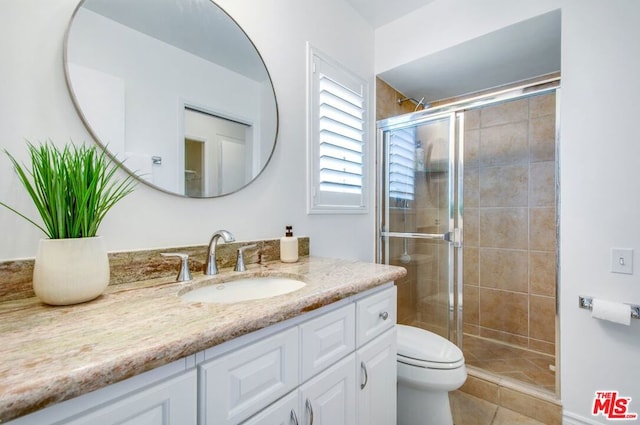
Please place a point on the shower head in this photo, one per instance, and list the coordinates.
(417, 102)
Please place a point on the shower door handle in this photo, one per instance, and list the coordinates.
(454, 237)
(434, 236)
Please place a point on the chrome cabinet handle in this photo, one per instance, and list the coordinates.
(310, 410)
(384, 315)
(363, 366)
(294, 417)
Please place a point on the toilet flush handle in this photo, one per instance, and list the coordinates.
(384, 315)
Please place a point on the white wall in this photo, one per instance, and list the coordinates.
(35, 105)
(599, 172)
(600, 196)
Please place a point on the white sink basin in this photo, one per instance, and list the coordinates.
(252, 288)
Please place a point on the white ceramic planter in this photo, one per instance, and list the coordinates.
(70, 271)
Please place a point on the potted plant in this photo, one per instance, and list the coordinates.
(72, 188)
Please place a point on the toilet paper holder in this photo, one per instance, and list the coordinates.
(587, 304)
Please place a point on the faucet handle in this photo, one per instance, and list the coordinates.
(184, 274)
(240, 267)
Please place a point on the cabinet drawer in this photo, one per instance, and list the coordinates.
(237, 385)
(327, 339)
(168, 402)
(375, 314)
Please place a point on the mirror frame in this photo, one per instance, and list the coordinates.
(120, 163)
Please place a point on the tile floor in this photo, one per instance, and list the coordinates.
(507, 361)
(503, 360)
(470, 410)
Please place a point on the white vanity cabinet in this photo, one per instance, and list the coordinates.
(326, 339)
(347, 368)
(376, 393)
(169, 402)
(166, 395)
(242, 382)
(283, 412)
(376, 358)
(330, 397)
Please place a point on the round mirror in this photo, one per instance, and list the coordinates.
(175, 90)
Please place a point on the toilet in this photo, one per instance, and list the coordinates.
(429, 366)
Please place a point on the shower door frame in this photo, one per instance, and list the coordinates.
(453, 235)
(457, 108)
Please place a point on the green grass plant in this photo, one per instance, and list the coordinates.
(72, 188)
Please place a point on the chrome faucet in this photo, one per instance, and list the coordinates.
(210, 266)
(184, 275)
(240, 266)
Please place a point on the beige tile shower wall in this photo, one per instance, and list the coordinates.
(510, 222)
(387, 101)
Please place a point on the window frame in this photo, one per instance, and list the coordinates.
(326, 202)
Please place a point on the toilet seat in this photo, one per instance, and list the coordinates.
(420, 348)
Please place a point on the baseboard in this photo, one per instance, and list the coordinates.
(569, 418)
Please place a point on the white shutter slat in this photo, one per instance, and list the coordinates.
(329, 85)
(330, 138)
(341, 127)
(402, 147)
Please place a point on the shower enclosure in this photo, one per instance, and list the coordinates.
(467, 204)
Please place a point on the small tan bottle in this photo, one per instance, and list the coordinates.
(289, 247)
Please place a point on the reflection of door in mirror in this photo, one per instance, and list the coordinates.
(193, 167)
(226, 157)
(232, 164)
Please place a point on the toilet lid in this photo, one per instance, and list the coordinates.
(424, 346)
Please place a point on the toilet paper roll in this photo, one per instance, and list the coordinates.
(611, 311)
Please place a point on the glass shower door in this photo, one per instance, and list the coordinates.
(420, 218)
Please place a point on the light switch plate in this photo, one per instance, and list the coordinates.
(622, 260)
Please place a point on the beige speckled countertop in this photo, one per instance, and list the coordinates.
(50, 354)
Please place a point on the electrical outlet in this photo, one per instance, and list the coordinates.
(622, 260)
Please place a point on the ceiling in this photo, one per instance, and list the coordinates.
(521, 51)
(380, 12)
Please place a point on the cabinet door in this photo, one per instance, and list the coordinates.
(282, 412)
(329, 398)
(239, 384)
(376, 391)
(173, 401)
(327, 339)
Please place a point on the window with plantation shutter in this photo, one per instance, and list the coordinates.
(402, 148)
(338, 138)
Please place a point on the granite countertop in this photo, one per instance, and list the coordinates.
(50, 354)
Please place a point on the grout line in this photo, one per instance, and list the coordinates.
(495, 415)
